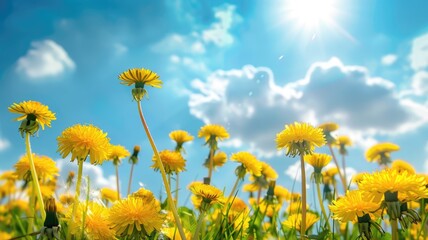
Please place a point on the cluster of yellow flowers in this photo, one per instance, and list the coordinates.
(272, 211)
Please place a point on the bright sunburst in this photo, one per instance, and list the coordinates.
(310, 14)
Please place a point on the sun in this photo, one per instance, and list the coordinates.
(310, 14)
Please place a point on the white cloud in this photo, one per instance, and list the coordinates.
(218, 33)
(189, 63)
(95, 173)
(4, 144)
(180, 44)
(419, 53)
(254, 108)
(45, 59)
(420, 83)
(389, 59)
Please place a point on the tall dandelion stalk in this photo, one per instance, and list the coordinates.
(117, 153)
(83, 141)
(133, 160)
(33, 116)
(300, 139)
(140, 78)
(212, 134)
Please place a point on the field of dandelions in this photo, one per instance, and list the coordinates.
(389, 203)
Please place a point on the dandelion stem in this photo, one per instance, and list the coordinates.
(32, 214)
(117, 181)
(211, 166)
(344, 167)
(82, 235)
(303, 223)
(342, 178)
(394, 229)
(176, 190)
(130, 178)
(76, 197)
(37, 192)
(162, 170)
(322, 205)
(198, 227)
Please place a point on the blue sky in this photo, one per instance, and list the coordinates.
(252, 66)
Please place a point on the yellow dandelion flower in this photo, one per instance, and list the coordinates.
(269, 209)
(97, 223)
(249, 162)
(329, 126)
(269, 172)
(196, 201)
(135, 217)
(410, 186)
(281, 193)
(401, 165)
(66, 199)
(295, 207)
(173, 161)
(180, 137)
(5, 235)
(250, 187)
(45, 167)
(208, 193)
(381, 152)
(238, 205)
(354, 204)
(213, 133)
(147, 196)
(172, 233)
(328, 175)
(140, 76)
(34, 114)
(342, 142)
(219, 159)
(318, 160)
(7, 189)
(357, 178)
(117, 153)
(300, 138)
(9, 176)
(294, 221)
(83, 140)
(108, 194)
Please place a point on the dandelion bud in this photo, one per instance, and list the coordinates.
(134, 157)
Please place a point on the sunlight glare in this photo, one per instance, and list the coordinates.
(310, 14)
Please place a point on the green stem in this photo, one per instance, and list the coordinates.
(198, 227)
(32, 214)
(303, 223)
(76, 197)
(162, 170)
(176, 190)
(344, 168)
(34, 177)
(322, 205)
(394, 229)
(82, 235)
(117, 181)
(342, 179)
(211, 166)
(130, 178)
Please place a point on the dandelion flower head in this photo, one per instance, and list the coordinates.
(249, 161)
(83, 140)
(172, 161)
(300, 139)
(45, 167)
(33, 110)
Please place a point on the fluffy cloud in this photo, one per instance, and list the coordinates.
(420, 82)
(45, 59)
(4, 144)
(418, 55)
(254, 108)
(218, 33)
(189, 63)
(95, 173)
(389, 59)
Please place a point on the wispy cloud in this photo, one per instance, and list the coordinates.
(44, 59)
(389, 59)
(4, 144)
(219, 32)
(418, 55)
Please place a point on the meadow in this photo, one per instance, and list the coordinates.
(389, 203)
